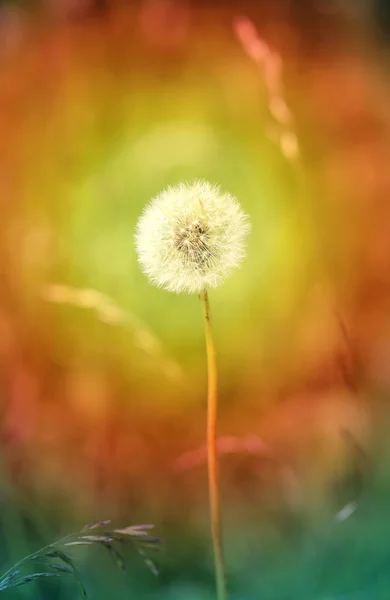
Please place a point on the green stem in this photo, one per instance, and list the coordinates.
(212, 457)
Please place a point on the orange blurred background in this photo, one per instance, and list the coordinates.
(102, 376)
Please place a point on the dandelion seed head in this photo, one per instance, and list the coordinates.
(190, 237)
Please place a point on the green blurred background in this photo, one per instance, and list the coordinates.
(103, 377)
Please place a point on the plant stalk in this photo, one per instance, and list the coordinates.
(212, 456)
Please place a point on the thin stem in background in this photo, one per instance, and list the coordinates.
(212, 456)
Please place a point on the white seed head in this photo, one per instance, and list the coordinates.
(190, 237)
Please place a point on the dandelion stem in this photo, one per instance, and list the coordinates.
(212, 458)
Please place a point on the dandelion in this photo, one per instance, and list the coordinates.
(189, 239)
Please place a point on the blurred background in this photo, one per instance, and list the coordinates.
(285, 104)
